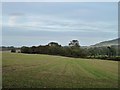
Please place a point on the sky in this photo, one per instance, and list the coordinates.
(38, 23)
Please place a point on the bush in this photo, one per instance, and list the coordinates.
(13, 50)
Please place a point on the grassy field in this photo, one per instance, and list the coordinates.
(45, 71)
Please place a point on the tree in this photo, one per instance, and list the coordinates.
(13, 50)
(109, 51)
(25, 49)
(74, 43)
(53, 44)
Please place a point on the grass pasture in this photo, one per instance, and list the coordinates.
(47, 71)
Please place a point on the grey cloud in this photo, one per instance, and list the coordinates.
(16, 14)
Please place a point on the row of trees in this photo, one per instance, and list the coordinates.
(74, 50)
(7, 48)
(53, 48)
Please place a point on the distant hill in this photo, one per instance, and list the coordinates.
(107, 43)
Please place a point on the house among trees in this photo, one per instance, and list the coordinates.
(18, 51)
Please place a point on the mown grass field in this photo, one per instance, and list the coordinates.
(45, 71)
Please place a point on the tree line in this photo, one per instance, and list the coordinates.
(74, 50)
(53, 48)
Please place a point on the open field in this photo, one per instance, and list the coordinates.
(45, 71)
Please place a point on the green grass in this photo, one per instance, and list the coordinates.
(47, 71)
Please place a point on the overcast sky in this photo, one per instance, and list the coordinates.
(42, 22)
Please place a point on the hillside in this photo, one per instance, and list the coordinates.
(107, 43)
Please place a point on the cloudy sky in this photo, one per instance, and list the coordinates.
(42, 22)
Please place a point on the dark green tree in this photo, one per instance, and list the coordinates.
(13, 50)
